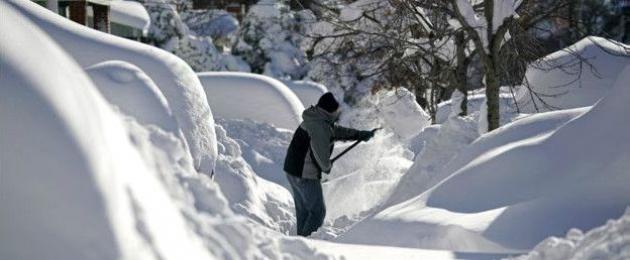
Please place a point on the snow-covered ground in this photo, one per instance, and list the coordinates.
(109, 154)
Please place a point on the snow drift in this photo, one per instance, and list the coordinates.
(577, 76)
(174, 77)
(237, 95)
(528, 180)
(73, 185)
(262, 146)
(609, 241)
(134, 93)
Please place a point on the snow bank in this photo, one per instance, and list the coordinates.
(235, 95)
(524, 182)
(261, 201)
(577, 76)
(308, 91)
(100, 202)
(437, 145)
(134, 93)
(174, 77)
(609, 241)
(263, 147)
(131, 14)
(362, 179)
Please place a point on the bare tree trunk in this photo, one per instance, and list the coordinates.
(492, 96)
(461, 71)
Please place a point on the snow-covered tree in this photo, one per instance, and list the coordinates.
(270, 39)
(170, 33)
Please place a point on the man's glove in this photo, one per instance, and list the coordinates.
(365, 135)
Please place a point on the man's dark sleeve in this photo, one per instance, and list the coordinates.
(345, 134)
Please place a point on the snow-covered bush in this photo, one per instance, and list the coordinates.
(220, 25)
(170, 33)
(270, 39)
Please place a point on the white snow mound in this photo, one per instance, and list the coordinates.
(73, 186)
(522, 183)
(130, 13)
(238, 95)
(173, 76)
(609, 241)
(574, 77)
(134, 93)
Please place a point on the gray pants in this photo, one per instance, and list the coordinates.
(309, 204)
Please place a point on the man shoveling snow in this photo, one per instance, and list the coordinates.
(308, 156)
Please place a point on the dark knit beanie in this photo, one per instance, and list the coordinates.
(328, 102)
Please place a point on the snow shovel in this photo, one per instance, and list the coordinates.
(352, 146)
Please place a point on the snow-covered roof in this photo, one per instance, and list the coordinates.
(131, 14)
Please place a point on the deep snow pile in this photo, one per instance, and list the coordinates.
(437, 145)
(576, 76)
(609, 241)
(235, 95)
(178, 83)
(73, 186)
(129, 190)
(517, 185)
(130, 13)
(260, 200)
(133, 92)
(262, 146)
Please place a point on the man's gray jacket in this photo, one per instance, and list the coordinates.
(313, 142)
